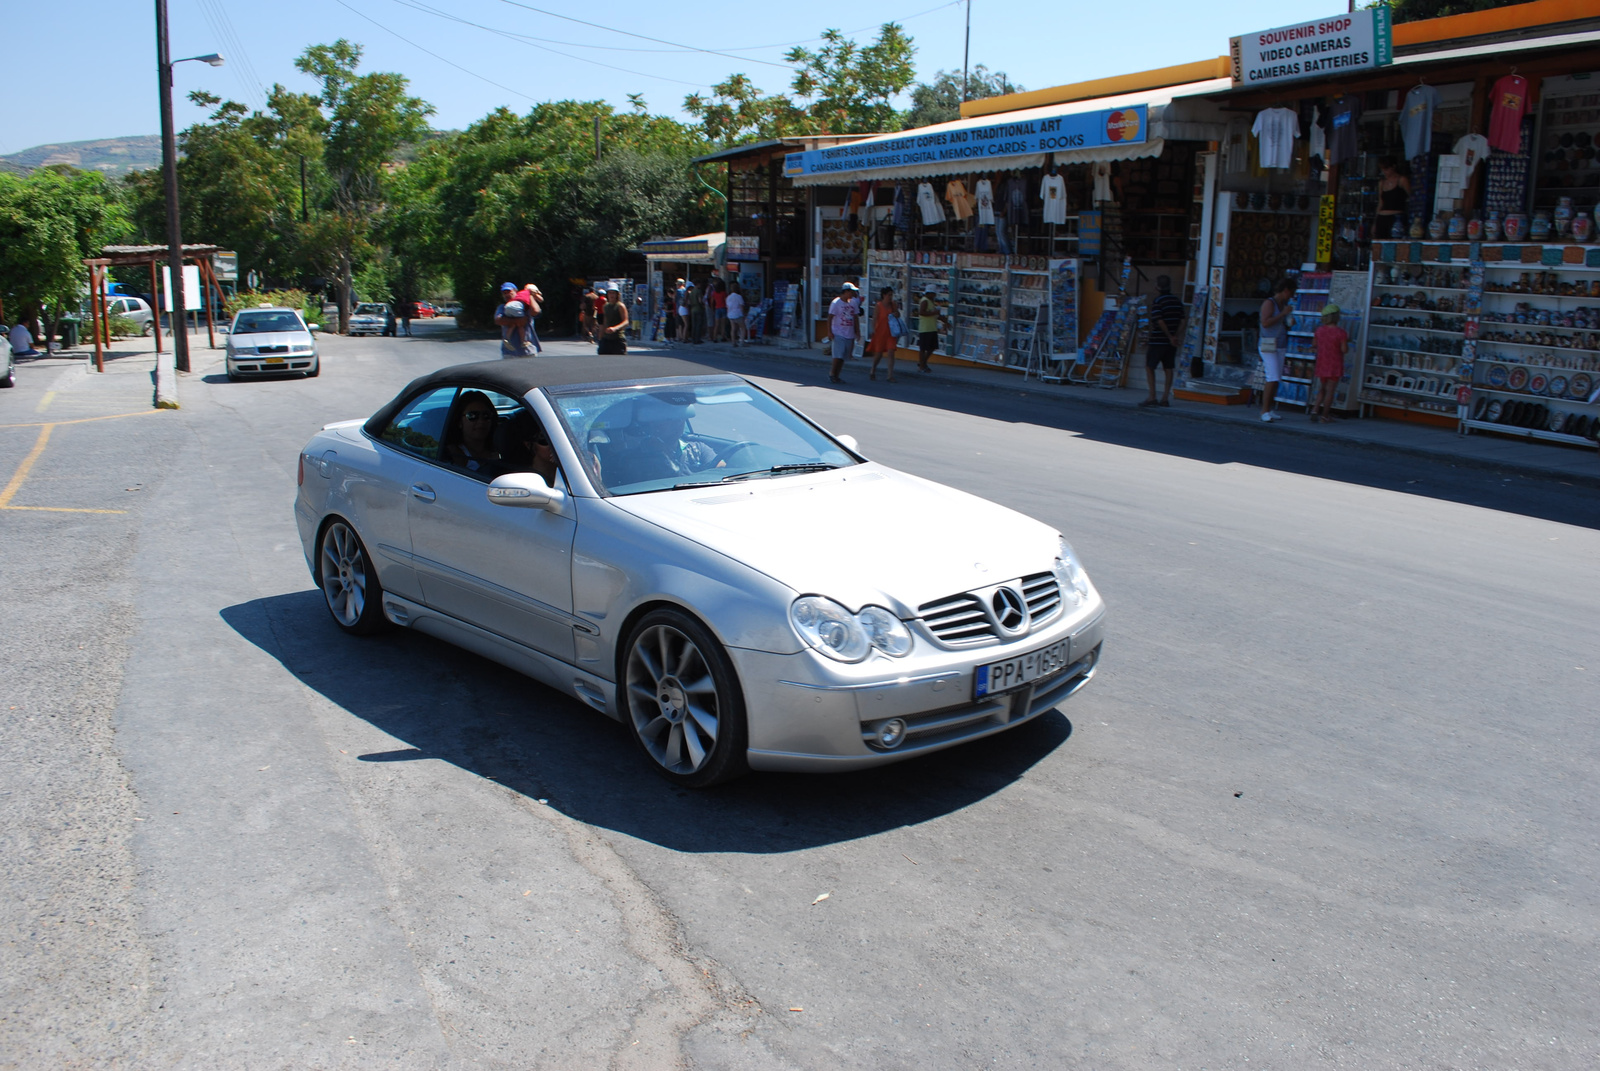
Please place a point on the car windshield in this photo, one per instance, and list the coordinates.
(664, 436)
(369, 309)
(256, 323)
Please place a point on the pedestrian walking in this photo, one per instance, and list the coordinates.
(390, 324)
(681, 296)
(697, 317)
(719, 311)
(512, 316)
(1332, 342)
(613, 324)
(532, 299)
(886, 331)
(708, 323)
(1274, 343)
(843, 313)
(736, 314)
(671, 302)
(408, 309)
(586, 314)
(928, 321)
(1166, 328)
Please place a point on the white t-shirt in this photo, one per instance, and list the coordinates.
(1277, 128)
(843, 312)
(1318, 144)
(985, 195)
(21, 339)
(735, 306)
(1102, 182)
(1473, 150)
(932, 210)
(1053, 190)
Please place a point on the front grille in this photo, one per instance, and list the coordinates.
(963, 620)
(272, 349)
(987, 715)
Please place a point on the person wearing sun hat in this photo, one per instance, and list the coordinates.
(843, 314)
(1332, 342)
(512, 316)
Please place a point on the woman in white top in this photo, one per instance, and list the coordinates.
(736, 319)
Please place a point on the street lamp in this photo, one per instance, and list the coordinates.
(169, 173)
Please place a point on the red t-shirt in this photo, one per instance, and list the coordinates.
(1508, 103)
(719, 299)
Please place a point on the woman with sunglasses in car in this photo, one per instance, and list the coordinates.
(472, 446)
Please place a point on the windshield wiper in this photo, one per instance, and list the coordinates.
(781, 470)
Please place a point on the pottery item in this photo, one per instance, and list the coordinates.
(1474, 230)
(1582, 228)
(1436, 228)
(1516, 227)
(1539, 230)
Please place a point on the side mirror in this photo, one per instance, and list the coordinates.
(849, 443)
(526, 489)
(313, 327)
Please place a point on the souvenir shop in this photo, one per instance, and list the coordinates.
(697, 259)
(769, 229)
(1447, 201)
(1017, 222)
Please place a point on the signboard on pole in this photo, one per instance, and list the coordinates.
(744, 246)
(1359, 40)
(1325, 229)
(191, 288)
(1055, 133)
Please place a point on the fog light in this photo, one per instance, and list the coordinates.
(891, 733)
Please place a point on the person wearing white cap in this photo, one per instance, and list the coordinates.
(843, 314)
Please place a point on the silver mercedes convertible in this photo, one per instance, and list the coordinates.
(683, 551)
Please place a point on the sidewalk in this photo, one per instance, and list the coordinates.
(1492, 452)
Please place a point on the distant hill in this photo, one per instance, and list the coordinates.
(113, 156)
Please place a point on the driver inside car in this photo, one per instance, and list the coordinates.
(649, 441)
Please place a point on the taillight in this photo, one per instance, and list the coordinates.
(300, 472)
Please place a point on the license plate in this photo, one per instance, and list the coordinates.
(997, 677)
(272, 360)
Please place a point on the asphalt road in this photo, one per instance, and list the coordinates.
(1331, 802)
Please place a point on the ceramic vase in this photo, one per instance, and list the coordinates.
(1491, 227)
(1539, 231)
(1582, 228)
(1516, 227)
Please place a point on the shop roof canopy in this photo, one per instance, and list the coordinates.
(697, 248)
(1122, 127)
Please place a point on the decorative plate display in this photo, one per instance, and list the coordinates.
(1580, 386)
(1493, 415)
(1537, 382)
(1519, 379)
(1558, 386)
(1497, 375)
(1556, 420)
(1464, 372)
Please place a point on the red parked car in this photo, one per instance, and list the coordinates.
(426, 310)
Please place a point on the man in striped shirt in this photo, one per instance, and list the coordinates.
(1166, 328)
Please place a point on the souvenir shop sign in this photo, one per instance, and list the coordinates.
(1356, 41)
(744, 247)
(1055, 133)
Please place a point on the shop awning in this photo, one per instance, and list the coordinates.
(1126, 126)
(697, 248)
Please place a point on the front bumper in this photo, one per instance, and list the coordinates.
(247, 365)
(809, 714)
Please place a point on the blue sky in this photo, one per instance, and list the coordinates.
(108, 86)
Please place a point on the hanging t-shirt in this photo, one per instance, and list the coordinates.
(1102, 181)
(843, 312)
(1344, 124)
(955, 191)
(1416, 119)
(902, 211)
(1316, 136)
(1473, 150)
(932, 210)
(1014, 199)
(1277, 128)
(1053, 191)
(1508, 103)
(985, 195)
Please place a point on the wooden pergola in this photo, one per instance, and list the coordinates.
(122, 256)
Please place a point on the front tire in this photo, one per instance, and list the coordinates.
(682, 701)
(349, 583)
(316, 369)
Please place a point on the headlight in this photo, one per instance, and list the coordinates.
(1069, 571)
(848, 637)
(244, 351)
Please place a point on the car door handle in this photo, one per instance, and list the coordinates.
(423, 491)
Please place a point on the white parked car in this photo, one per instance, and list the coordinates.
(369, 318)
(684, 552)
(270, 340)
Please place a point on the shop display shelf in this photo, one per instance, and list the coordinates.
(1562, 400)
(1523, 295)
(1401, 349)
(1417, 286)
(1515, 362)
(1539, 347)
(1430, 312)
(1529, 433)
(1375, 325)
(1435, 395)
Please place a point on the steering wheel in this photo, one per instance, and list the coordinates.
(726, 452)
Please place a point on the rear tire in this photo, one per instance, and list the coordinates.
(349, 583)
(682, 701)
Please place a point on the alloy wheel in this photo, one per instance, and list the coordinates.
(673, 699)
(344, 574)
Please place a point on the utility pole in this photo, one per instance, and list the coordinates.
(966, 52)
(302, 189)
(597, 139)
(169, 174)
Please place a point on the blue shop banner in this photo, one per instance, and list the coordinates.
(1058, 133)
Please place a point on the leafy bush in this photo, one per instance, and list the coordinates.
(122, 327)
(289, 299)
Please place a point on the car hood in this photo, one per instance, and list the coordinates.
(256, 340)
(866, 534)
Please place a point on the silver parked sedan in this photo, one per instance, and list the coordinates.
(270, 340)
(686, 553)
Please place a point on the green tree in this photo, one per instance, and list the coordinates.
(939, 101)
(840, 88)
(50, 221)
(369, 117)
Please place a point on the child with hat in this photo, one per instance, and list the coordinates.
(1332, 343)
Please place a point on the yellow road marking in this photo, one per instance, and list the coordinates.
(44, 403)
(60, 509)
(27, 463)
(82, 420)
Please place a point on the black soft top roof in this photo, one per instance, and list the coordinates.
(517, 376)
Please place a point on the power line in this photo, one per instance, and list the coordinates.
(222, 28)
(642, 37)
(435, 55)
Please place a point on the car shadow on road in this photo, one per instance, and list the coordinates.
(1170, 431)
(448, 704)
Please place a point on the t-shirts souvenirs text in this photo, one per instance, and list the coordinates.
(985, 194)
(1473, 150)
(1416, 119)
(1053, 190)
(1344, 119)
(932, 210)
(1277, 128)
(1508, 102)
(955, 191)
